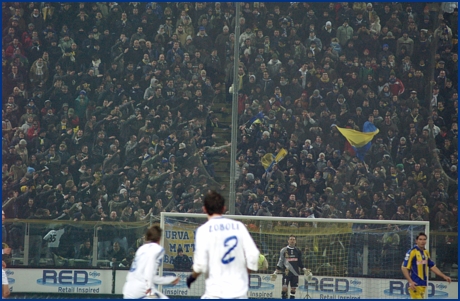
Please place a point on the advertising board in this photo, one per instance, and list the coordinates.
(60, 281)
(79, 281)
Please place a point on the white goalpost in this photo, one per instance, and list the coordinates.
(348, 259)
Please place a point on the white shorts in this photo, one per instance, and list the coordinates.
(212, 297)
(137, 289)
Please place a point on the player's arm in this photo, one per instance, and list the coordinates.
(191, 278)
(406, 274)
(251, 252)
(151, 275)
(157, 279)
(437, 271)
(302, 268)
(405, 268)
(200, 258)
(280, 264)
(441, 274)
(5, 290)
(5, 286)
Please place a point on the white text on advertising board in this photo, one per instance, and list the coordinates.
(71, 281)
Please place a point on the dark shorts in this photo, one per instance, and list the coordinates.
(291, 280)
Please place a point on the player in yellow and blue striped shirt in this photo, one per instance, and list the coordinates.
(416, 265)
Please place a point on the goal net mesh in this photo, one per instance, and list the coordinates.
(348, 258)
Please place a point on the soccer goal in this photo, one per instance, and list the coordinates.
(349, 259)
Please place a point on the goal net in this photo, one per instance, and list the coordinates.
(348, 258)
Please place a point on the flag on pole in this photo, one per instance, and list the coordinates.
(257, 118)
(268, 160)
(360, 141)
(281, 154)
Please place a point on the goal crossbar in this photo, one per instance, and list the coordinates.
(295, 219)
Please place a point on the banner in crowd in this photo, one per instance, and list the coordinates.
(178, 237)
(62, 281)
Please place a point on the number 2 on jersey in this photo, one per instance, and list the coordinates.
(226, 259)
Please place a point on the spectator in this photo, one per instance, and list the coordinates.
(86, 251)
(181, 261)
(344, 33)
(116, 254)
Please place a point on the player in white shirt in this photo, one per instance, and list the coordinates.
(5, 286)
(224, 252)
(143, 274)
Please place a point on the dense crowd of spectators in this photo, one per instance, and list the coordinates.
(106, 105)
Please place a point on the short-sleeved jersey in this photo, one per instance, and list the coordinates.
(418, 263)
(224, 251)
(290, 258)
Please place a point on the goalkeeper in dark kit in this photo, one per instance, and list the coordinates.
(290, 265)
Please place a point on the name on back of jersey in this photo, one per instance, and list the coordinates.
(224, 227)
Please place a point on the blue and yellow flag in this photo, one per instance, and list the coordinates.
(268, 160)
(360, 141)
(257, 118)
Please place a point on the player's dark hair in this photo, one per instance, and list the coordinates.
(292, 235)
(214, 203)
(153, 233)
(421, 234)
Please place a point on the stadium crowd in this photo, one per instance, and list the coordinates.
(106, 105)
